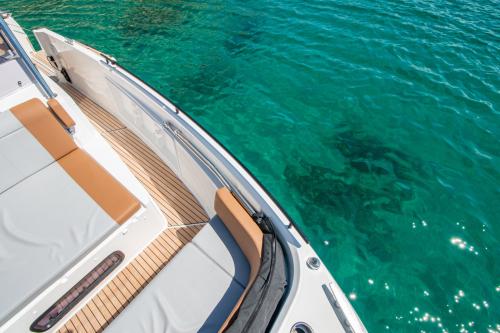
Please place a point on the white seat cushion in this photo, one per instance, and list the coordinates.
(21, 154)
(8, 123)
(195, 292)
(47, 222)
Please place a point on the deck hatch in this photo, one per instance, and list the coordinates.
(77, 292)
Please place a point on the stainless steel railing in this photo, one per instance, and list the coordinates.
(178, 135)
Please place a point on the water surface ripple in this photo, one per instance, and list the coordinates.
(375, 124)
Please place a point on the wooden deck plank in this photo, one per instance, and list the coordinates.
(132, 279)
(97, 313)
(92, 320)
(123, 287)
(105, 309)
(145, 265)
(84, 324)
(111, 298)
(141, 272)
(64, 329)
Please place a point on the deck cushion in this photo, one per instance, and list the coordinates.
(30, 139)
(111, 195)
(203, 286)
(56, 203)
(194, 292)
(47, 222)
(20, 153)
(247, 234)
(8, 123)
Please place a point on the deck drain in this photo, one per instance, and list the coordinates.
(313, 263)
(301, 328)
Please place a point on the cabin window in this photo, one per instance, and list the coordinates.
(77, 292)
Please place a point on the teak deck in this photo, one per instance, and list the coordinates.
(185, 215)
(171, 195)
(96, 315)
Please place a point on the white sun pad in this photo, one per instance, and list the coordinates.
(47, 222)
(195, 292)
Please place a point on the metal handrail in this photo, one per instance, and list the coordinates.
(18, 49)
(209, 164)
(168, 126)
(124, 74)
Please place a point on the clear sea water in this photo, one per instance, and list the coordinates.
(376, 124)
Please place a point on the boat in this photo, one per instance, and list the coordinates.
(120, 213)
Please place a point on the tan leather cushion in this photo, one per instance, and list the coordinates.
(111, 195)
(60, 113)
(245, 232)
(40, 122)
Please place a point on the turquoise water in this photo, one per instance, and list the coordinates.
(375, 124)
